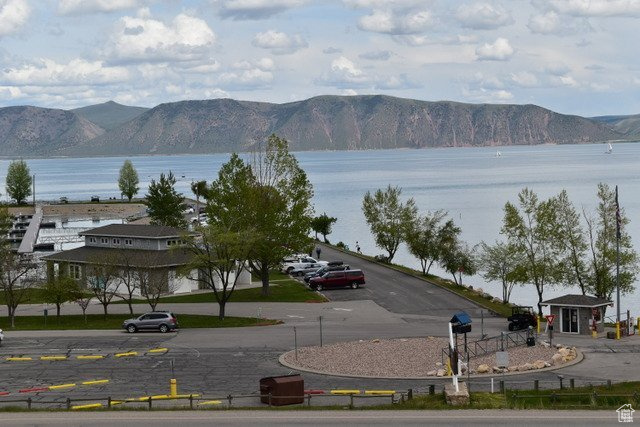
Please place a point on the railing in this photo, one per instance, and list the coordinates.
(489, 345)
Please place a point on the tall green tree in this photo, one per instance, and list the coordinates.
(427, 237)
(322, 224)
(602, 248)
(389, 219)
(128, 180)
(17, 276)
(532, 231)
(574, 243)
(458, 259)
(219, 256)
(270, 195)
(59, 290)
(164, 203)
(503, 263)
(18, 182)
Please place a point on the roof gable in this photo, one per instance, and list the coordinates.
(577, 301)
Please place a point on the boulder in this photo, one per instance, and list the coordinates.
(544, 344)
(376, 340)
(556, 359)
(559, 346)
(513, 368)
(564, 352)
(440, 373)
(483, 369)
(496, 369)
(528, 366)
(539, 364)
(432, 373)
(438, 364)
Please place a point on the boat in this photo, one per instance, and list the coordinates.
(498, 153)
(609, 149)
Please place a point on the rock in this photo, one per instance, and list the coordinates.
(528, 366)
(456, 398)
(438, 364)
(376, 340)
(432, 373)
(547, 364)
(544, 344)
(564, 352)
(539, 364)
(513, 368)
(559, 346)
(556, 359)
(440, 373)
(496, 369)
(483, 369)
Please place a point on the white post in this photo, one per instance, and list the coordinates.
(454, 377)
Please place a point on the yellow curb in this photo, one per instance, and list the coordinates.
(18, 359)
(95, 382)
(90, 406)
(375, 392)
(53, 357)
(128, 354)
(345, 391)
(90, 357)
(158, 350)
(210, 402)
(57, 387)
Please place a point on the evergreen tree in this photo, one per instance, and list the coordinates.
(128, 180)
(164, 203)
(18, 183)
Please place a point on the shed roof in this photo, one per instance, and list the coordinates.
(134, 230)
(577, 301)
(119, 257)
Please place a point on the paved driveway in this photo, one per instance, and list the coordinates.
(398, 292)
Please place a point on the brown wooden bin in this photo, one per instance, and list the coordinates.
(284, 390)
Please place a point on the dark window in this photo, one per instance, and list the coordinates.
(158, 316)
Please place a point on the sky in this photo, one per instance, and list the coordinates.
(571, 56)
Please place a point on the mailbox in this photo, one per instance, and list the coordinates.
(461, 323)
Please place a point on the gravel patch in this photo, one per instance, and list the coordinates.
(405, 357)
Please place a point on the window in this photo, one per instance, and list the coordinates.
(104, 240)
(74, 271)
(116, 241)
(128, 242)
(92, 239)
(174, 242)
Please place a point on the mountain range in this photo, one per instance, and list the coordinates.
(319, 123)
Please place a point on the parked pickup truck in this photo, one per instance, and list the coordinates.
(299, 263)
(338, 279)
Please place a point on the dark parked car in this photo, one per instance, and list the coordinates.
(324, 270)
(95, 198)
(162, 321)
(338, 279)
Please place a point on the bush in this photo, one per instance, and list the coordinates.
(381, 258)
(340, 245)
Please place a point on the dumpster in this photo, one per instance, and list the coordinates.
(284, 390)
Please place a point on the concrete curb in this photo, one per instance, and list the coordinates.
(283, 362)
(391, 267)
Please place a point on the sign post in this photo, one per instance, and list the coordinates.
(550, 318)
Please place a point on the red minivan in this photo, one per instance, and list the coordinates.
(338, 279)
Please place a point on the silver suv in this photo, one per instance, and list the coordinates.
(162, 321)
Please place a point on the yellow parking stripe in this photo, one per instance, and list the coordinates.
(61, 386)
(90, 406)
(89, 357)
(345, 391)
(53, 357)
(374, 392)
(95, 382)
(19, 359)
(158, 350)
(127, 354)
(210, 402)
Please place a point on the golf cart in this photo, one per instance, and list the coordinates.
(521, 318)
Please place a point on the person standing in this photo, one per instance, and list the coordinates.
(318, 252)
(358, 247)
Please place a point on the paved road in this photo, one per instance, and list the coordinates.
(314, 418)
(398, 292)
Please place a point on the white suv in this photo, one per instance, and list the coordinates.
(291, 264)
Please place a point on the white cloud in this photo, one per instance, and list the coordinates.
(77, 7)
(279, 43)
(546, 23)
(397, 22)
(248, 75)
(483, 16)
(255, 9)
(142, 39)
(500, 50)
(13, 15)
(74, 73)
(591, 8)
(524, 79)
(345, 74)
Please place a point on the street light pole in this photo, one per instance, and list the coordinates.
(618, 224)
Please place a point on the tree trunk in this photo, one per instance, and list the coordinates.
(222, 306)
(84, 314)
(429, 267)
(264, 277)
(104, 306)
(131, 306)
(12, 315)
(57, 309)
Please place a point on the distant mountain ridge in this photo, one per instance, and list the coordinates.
(627, 125)
(109, 115)
(319, 123)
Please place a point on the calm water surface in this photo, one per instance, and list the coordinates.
(472, 184)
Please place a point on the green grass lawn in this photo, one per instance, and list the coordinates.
(114, 321)
(286, 291)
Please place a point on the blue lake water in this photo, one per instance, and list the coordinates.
(472, 184)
